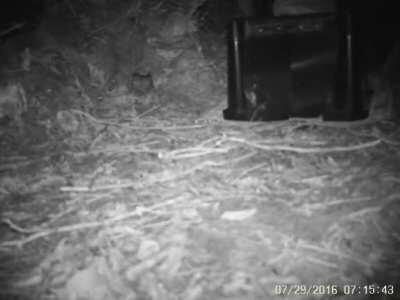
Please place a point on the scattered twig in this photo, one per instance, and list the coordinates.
(157, 6)
(362, 212)
(247, 171)
(325, 205)
(71, 8)
(84, 189)
(390, 142)
(334, 124)
(16, 227)
(133, 272)
(153, 179)
(241, 158)
(139, 211)
(262, 146)
(322, 262)
(54, 217)
(118, 19)
(20, 243)
(98, 138)
(114, 22)
(129, 126)
(326, 251)
(150, 110)
(192, 152)
(93, 119)
(12, 28)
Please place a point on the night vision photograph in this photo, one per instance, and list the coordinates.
(199, 150)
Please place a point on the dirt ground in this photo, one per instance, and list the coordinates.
(119, 178)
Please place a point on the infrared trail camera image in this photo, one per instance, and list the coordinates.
(199, 150)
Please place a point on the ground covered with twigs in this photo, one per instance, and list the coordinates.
(120, 180)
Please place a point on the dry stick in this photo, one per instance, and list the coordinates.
(87, 225)
(101, 28)
(97, 138)
(258, 126)
(82, 189)
(12, 28)
(164, 128)
(362, 212)
(215, 139)
(146, 112)
(133, 273)
(120, 18)
(14, 166)
(93, 119)
(67, 211)
(158, 5)
(327, 251)
(14, 158)
(71, 8)
(322, 262)
(323, 205)
(16, 227)
(374, 135)
(100, 151)
(353, 216)
(180, 127)
(238, 159)
(115, 149)
(305, 150)
(334, 124)
(196, 151)
(131, 184)
(389, 142)
(192, 152)
(247, 171)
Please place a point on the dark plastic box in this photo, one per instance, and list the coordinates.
(293, 66)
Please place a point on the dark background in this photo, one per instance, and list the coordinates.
(376, 21)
